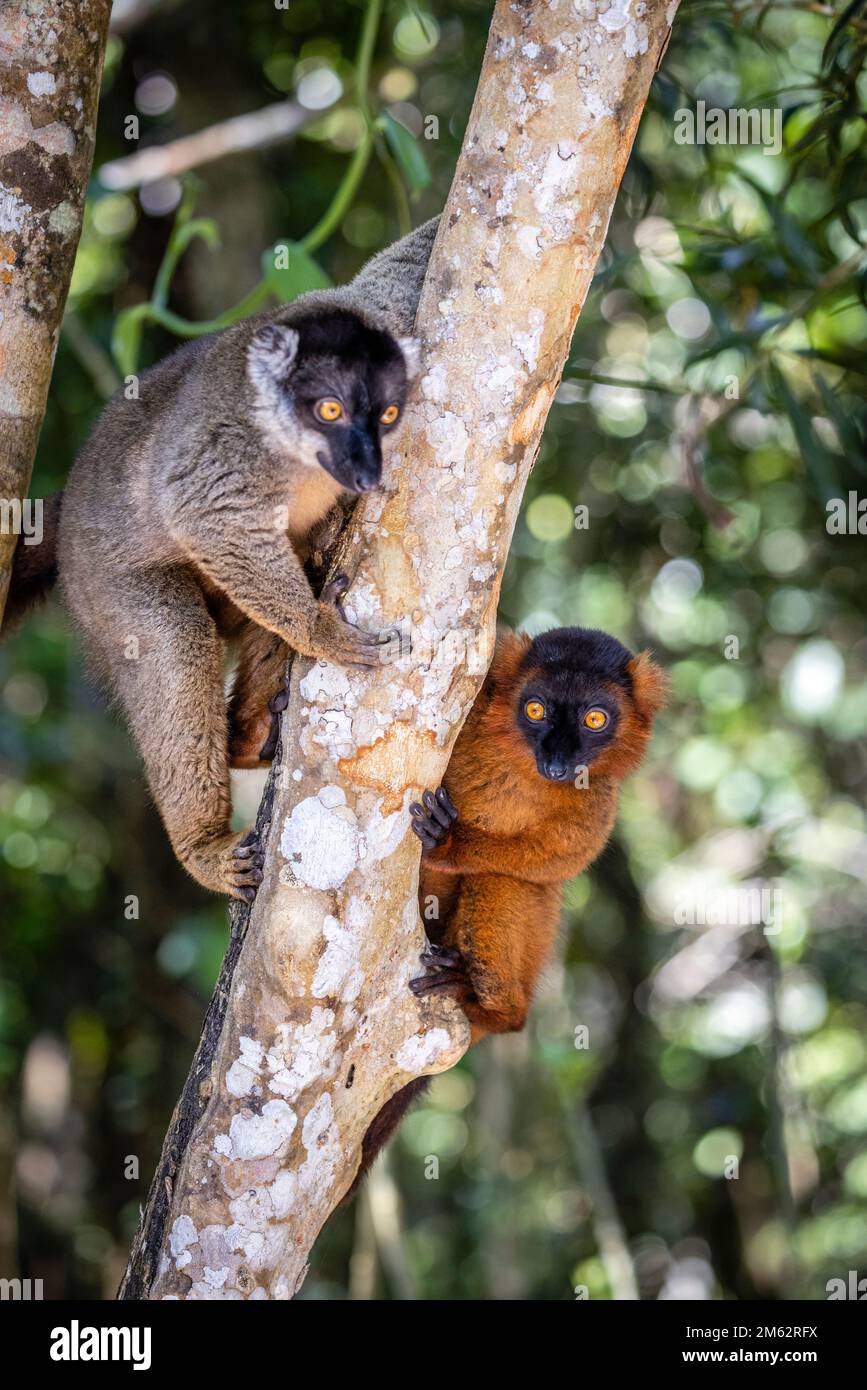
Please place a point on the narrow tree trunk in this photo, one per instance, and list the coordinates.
(312, 1027)
(51, 54)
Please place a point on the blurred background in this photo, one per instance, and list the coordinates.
(686, 1114)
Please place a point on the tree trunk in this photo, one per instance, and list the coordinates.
(312, 1027)
(51, 56)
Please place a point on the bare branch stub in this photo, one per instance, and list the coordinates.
(257, 130)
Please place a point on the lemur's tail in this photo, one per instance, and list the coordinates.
(34, 567)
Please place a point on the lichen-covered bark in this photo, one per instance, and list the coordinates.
(51, 54)
(319, 1028)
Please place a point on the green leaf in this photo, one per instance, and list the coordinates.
(837, 36)
(126, 338)
(204, 227)
(182, 234)
(407, 153)
(845, 424)
(821, 468)
(290, 271)
(848, 358)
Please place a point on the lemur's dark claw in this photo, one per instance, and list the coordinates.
(442, 981)
(276, 705)
(438, 956)
(333, 592)
(245, 871)
(435, 805)
(445, 802)
(433, 817)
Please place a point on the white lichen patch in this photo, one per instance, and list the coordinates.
(598, 108)
(324, 679)
(303, 1053)
(283, 1191)
(320, 1137)
(635, 40)
(321, 841)
(554, 193)
(422, 1050)
(13, 210)
(41, 84)
(620, 17)
(528, 242)
(182, 1235)
(383, 834)
(448, 437)
(244, 1071)
(490, 294)
(261, 1136)
(433, 383)
(339, 973)
(528, 343)
(616, 17)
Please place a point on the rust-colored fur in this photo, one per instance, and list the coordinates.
(499, 876)
(496, 882)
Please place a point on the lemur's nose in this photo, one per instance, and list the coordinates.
(556, 769)
(366, 461)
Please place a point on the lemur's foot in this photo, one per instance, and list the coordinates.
(432, 820)
(244, 869)
(336, 639)
(229, 864)
(438, 956)
(333, 592)
(447, 974)
(276, 705)
(352, 646)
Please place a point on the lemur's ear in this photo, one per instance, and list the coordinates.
(411, 349)
(271, 353)
(649, 684)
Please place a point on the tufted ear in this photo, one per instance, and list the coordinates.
(509, 654)
(271, 353)
(411, 349)
(649, 685)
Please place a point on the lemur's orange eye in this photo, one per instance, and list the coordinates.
(389, 415)
(329, 410)
(535, 710)
(595, 719)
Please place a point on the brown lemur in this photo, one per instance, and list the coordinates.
(187, 518)
(528, 801)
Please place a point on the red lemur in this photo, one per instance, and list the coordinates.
(528, 801)
(187, 518)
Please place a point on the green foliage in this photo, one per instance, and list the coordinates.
(407, 153)
(289, 271)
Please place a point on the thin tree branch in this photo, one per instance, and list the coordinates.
(256, 130)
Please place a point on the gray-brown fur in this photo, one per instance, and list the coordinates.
(184, 525)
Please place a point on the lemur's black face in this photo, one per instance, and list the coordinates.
(568, 707)
(348, 385)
